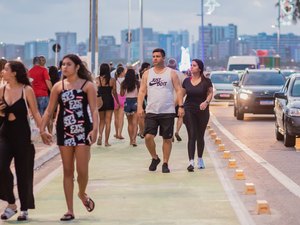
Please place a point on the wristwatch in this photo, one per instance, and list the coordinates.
(181, 106)
(207, 102)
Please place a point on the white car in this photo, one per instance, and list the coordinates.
(222, 84)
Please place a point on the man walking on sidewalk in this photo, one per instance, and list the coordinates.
(159, 83)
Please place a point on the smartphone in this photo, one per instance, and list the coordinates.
(89, 139)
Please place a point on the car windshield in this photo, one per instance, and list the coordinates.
(264, 79)
(296, 88)
(241, 66)
(219, 78)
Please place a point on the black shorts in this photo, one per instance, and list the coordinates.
(165, 122)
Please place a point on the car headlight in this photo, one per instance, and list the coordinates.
(244, 96)
(293, 112)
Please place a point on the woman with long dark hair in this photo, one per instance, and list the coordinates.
(198, 90)
(76, 127)
(14, 96)
(129, 88)
(119, 111)
(107, 90)
(141, 120)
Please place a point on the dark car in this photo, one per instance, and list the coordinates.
(287, 111)
(254, 93)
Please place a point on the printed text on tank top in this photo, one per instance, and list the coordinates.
(158, 81)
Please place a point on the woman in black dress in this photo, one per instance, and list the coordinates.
(107, 90)
(15, 124)
(76, 127)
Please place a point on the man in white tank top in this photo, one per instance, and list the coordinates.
(159, 84)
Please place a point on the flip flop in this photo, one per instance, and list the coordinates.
(67, 217)
(89, 204)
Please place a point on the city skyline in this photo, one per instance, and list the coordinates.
(26, 21)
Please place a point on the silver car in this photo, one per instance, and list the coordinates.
(222, 84)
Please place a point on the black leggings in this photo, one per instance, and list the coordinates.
(196, 123)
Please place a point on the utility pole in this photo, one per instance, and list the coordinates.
(202, 31)
(141, 33)
(93, 34)
(129, 34)
(278, 27)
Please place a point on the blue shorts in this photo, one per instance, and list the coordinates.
(130, 106)
(42, 103)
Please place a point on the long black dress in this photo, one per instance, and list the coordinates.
(15, 144)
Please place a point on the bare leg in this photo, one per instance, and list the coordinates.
(67, 156)
(130, 128)
(101, 126)
(108, 116)
(121, 122)
(117, 122)
(82, 155)
(167, 147)
(150, 144)
(134, 127)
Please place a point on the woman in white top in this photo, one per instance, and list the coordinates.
(129, 88)
(119, 111)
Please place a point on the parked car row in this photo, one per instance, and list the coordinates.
(263, 91)
(287, 111)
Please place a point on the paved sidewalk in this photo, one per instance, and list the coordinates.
(126, 193)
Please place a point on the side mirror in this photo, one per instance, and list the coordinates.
(235, 83)
(280, 95)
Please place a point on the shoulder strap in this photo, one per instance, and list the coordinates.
(84, 84)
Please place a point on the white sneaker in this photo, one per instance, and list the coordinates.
(201, 164)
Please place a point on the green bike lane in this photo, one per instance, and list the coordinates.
(125, 192)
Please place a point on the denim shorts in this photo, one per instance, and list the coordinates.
(42, 103)
(130, 106)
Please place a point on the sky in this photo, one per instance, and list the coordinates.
(27, 20)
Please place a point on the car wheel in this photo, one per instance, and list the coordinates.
(288, 140)
(239, 115)
(279, 136)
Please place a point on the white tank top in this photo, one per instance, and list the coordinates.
(160, 92)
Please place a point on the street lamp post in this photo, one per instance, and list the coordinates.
(93, 40)
(278, 27)
(202, 31)
(141, 33)
(129, 33)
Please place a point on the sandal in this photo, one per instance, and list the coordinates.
(8, 213)
(88, 203)
(67, 217)
(23, 216)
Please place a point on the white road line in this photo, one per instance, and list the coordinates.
(238, 206)
(277, 174)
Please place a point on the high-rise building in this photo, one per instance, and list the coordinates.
(108, 49)
(215, 35)
(68, 43)
(13, 51)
